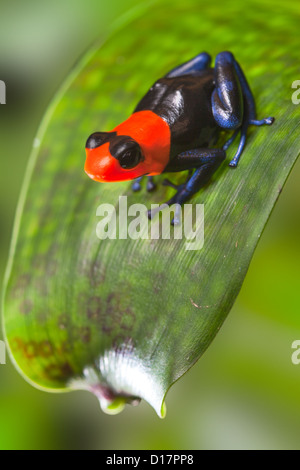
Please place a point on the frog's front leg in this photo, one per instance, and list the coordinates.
(233, 104)
(136, 185)
(206, 161)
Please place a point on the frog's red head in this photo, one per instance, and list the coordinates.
(136, 147)
(111, 157)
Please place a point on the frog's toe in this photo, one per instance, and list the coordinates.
(177, 215)
(136, 185)
(155, 210)
(150, 184)
(152, 212)
(262, 122)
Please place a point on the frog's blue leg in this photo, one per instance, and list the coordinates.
(150, 184)
(136, 185)
(232, 102)
(206, 161)
(200, 62)
(231, 140)
(227, 97)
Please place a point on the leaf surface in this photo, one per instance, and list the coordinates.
(126, 318)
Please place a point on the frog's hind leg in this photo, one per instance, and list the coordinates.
(233, 103)
(249, 114)
(206, 162)
(200, 62)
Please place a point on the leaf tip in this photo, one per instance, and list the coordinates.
(120, 379)
(163, 410)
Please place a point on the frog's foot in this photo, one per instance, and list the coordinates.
(231, 140)
(178, 199)
(150, 184)
(177, 210)
(136, 185)
(243, 129)
(262, 122)
(208, 161)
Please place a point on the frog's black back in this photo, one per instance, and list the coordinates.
(184, 102)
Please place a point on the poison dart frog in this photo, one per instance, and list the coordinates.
(174, 126)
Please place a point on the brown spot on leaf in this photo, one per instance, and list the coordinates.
(122, 343)
(128, 319)
(30, 349)
(16, 343)
(106, 329)
(21, 284)
(85, 334)
(45, 349)
(59, 372)
(65, 347)
(26, 306)
(96, 274)
(94, 309)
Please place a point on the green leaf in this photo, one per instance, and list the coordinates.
(126, 318)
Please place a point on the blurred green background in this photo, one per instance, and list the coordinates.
(244, 392)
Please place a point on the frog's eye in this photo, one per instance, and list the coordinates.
(97, 139)
(130, 158)
(127, 151)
